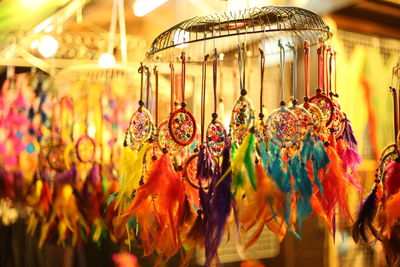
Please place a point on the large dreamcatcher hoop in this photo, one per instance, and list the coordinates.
(141, 126)
(282, 124)
(305, 118)
(182, 125)
(216, 133)
(320, 99)
(242, 113)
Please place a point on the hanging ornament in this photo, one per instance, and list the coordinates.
(141, 125)
(164, 137)
(282, 124)
(305, 118)
(182, 125)
(320, 99)
(242, 113)
(86, 146)
(315, 112)
(216, 133)
(259, 125)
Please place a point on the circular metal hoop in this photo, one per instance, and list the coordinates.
(289, 23)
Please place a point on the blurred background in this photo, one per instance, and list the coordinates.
(65, 38)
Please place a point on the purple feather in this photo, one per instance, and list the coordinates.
(348, 135)
(365, 218)
(204, 165)
(220, 206)
(92, 180)
(67, 177)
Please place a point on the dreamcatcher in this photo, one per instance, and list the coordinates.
(305, 118)
(182, 125)
(216, 133)
(314, 110)
(242, 113)
(165, 141)
(282, 124)
(320, 99)
(141, 124)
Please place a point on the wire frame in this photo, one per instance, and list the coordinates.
(225, 30)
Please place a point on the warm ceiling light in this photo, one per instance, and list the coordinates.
(142, 7)
(106, 61)
(48, 46)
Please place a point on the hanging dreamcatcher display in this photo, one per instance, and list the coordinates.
(283, 125)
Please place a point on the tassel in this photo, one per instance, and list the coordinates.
(130, 169)
(351, 160)
(335, 185)
(348, 134)
(67, 177)
(366, 216)
(243, 163)
(303, 186)
(320, 160)
(267, 207)
(392, 178)
(216, 215)
(159, 201)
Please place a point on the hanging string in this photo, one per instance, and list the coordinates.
(140, 70)
(306, 71)
(282, 70)
(327, 70)
(172, 79)
(156, 85)
(203, 95)
(335, 74)
(240, 63)
(183, 76)
(215, 74)
(262, 67)
(396, 111)
(294, 51)
(148, 74)
(320, 52)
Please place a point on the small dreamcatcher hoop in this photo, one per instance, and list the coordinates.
(216, 133)
(305, 118)
(282, 124)
(182, 125)
(320, 99)
(141, 125)
(242, 113)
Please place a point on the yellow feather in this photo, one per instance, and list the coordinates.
(129, 171)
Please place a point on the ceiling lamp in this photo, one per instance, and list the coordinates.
(143, 7)
(48, 46)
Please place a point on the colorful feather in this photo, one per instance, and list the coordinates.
(348, 135)
(392, 178)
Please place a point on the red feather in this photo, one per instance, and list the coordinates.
(392, 178)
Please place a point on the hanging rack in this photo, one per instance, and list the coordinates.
(272, 22)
